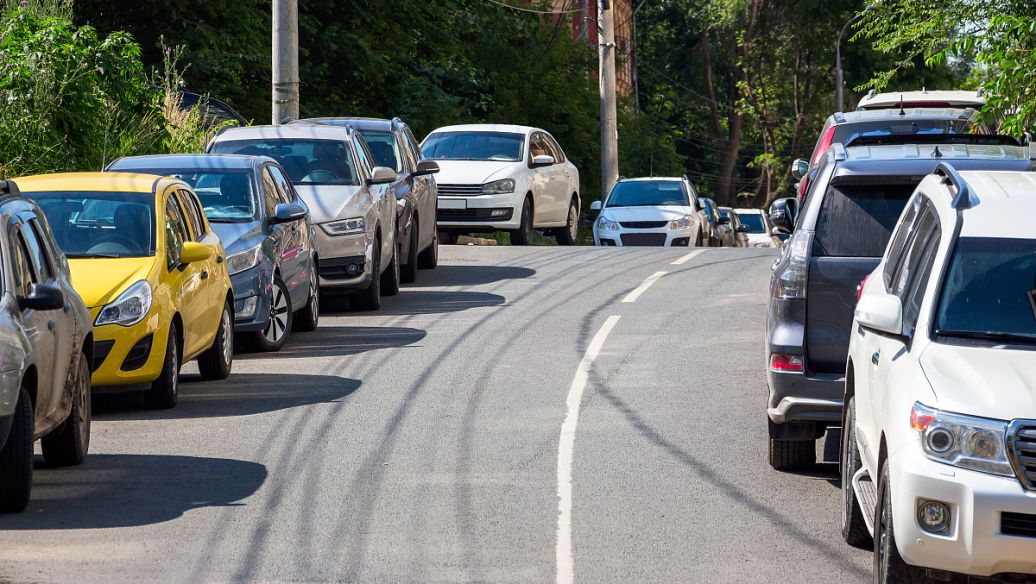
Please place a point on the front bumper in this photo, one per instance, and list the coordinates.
(480, 212)
(975, 544)
(113, 344)
(655, 237)
(336, 253)
(252, 297)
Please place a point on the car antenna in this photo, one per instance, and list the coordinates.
(937, 153)
(902, 111)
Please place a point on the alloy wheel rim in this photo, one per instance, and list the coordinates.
(314, 298)
(883, 543)
(175, 365)
(278, 322)
(228, 347)
(83, 395)
(573, 222)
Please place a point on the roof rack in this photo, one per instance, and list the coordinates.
(837, 150)
(963, 199)
(839, 117)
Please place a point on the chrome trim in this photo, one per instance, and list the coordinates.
(1026, 473)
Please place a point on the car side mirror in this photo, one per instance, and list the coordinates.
(880, 311)
(194, 252)
(542, 160)
(42, 297)
(381, 175)
(596, 206)
(288, 212)
(799, 168)
(426, 167)
(742, 228)
(779, 219)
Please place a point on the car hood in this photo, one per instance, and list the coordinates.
(662, 213)
(473, 172)
(754, 238)
(332, 202)
(100, 280)
(237, 236)
(982, 381)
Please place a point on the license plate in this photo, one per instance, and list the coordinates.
(453, 204)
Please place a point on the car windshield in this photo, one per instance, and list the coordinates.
(228, 196)
(844, 133)
(88, 224)
(497, 146)
(754, 221)
(857, 220)
(385, 148)
(990, 290)
(308, 162)
(652, 193)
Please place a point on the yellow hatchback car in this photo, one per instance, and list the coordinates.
(151, 272)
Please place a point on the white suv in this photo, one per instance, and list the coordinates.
(504, 178)
(939, 440)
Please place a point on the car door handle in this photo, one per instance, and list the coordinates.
(205, 275)
(51, 326)
(66, 307)
(876, 357)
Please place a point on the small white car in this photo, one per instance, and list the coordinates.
(939, 433)
(504, 178)
(660, 212)
(757, 227)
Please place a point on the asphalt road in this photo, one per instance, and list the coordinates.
(421, 443)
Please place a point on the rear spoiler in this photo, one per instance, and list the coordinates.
(962, 139)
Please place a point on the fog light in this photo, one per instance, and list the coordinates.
(498, 212)
(353, 269)
(245, 308)
(934, 516)
(786, 363)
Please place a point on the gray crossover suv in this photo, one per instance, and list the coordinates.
(839, 237)
(46, 347)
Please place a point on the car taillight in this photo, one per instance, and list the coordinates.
(786, 363)
(825, 145)
(794, 267)
(859, 288)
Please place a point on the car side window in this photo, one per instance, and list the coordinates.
(24, 277)
(175, 232)
(270, 196)
(537, 146)
(412, 144)
(926, 225)
(915, 293)
(284, 192)
(555, 148)
(190, 211)
(365, 160)
(899, 239)
(41, 264)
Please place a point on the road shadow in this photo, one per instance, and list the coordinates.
(411, 301)
(126, 490)
(341, 341)
(465, 275)
(241, 394)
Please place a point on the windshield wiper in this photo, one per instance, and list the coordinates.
(990, 336)
(80, 256)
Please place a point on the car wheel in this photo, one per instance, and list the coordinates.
(520, 236)
(408, 271)
(370, 297)
(309, 317)
(793, 454)
(390, 277)
(854, 528)
(429, 258)
(447, 238)
(273, 337)
(217, 361)
(570, 232)
(697, 240)
(68, 444)
(16, 458)
(163, 393)
(889, 566)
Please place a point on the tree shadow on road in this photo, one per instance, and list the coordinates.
(411, 301)
(470, 275)
(125, 490)
(340, 341)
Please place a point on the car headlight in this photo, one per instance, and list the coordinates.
(352, 226)
(499, 187)
(129, 308)
(681, 223)
(606, 224)
(243, 260)
(964, 441)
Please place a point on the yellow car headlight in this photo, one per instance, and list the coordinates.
(129, 308)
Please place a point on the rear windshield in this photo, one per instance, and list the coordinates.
(846, 132)
(857, 220)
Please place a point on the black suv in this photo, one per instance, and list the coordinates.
(839, 237)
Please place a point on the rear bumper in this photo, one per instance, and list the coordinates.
(798, 397)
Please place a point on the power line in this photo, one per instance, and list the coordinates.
(532, 10)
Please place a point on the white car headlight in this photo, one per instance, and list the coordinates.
(606, 224)
(498, 187)
(681, 223)
(964, 441)
(352, 226)
(243, 260)
(129, 308)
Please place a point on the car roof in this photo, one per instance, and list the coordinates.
(920, 160)
(191, 161)
(508, 128)
(652, 178)
(296, 130)
(996, 195)
(145, 184)
(910, 113)
(892, 99)
(358, 123)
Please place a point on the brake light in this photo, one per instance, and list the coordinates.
(825, 144)
(786, 363)
(794, 267)
(921, 416)
(859, 289)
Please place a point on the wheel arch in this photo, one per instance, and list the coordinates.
(30, 380)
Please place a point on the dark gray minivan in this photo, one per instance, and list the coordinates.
(838, 239)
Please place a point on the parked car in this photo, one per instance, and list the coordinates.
(841, 233)
(922, 99)
(349, 199)
(394, 146)
(782, 215)
(504, 178)
(939, 447)
(759, 232)
(738, 231)
(721, 234)
(649, 211)
(265, 230)
(151, 272)
(45, 352)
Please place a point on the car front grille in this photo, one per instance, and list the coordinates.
(475, 214)
(645, 239)
(1020, 524)
(643, 224)
(1022, 446)
(460, 190)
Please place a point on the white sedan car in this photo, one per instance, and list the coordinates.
(662, 212)
(504, 178)
(757, 227)
(939, 440)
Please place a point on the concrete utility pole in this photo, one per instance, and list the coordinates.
(609, 124)
(285, 60)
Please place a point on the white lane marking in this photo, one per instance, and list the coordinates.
(632, 296)
(566, 448)
(689, 257)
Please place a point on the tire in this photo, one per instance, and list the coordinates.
(788, 455)
(429, 258)
(68, 444)
(697, 240)
(854, 527)
(275, 335)
(570, 232)
(889, 566)
(16, 458)
(217, 361)
(308, 318)
(521, 235)
(163, 392)
(408, 271)
(370, 297)
(390, 277)
(447, 238)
